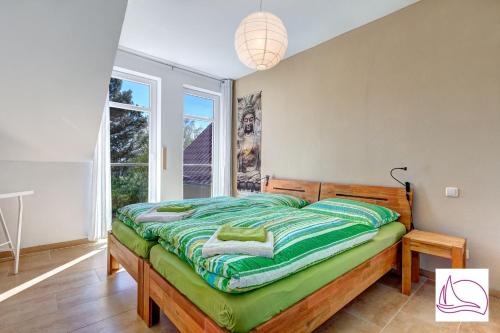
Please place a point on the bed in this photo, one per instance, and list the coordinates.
(298, 303)
(128, 248)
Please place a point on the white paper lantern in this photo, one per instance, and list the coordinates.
(261, 40)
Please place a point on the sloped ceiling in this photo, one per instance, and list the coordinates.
(200, 33)
(55, 61)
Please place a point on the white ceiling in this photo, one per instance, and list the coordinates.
(55, 64)
(199, 33)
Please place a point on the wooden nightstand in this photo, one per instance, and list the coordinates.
(417, 241)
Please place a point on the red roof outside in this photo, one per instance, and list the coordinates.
(199, 152)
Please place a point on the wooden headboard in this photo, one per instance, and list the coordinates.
(299, 188)
(390, 197)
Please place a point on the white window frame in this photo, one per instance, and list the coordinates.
(154, 110)
(216, 98)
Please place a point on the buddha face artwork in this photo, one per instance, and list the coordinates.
(249, 142)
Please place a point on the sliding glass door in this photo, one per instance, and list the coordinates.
(132, 118)
(200, 125)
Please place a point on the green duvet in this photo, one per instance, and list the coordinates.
(203, 207)
(129, 213)
(242, 312)
(301, 239)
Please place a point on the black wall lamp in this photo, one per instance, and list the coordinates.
(405, 184)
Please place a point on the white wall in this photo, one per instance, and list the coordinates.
(59, 209)
(55, 62)
(172, 123)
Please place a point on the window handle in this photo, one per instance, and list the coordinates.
(164, 158)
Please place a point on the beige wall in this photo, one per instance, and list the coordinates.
(419, 88)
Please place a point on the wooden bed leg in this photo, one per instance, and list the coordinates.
(112, 263)
(399, 261)
(151, 311)
(140, 288)
(406, 280)
(415, 267)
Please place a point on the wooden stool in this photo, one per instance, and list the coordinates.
(417, 241)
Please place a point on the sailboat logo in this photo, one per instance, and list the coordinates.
(451, 302)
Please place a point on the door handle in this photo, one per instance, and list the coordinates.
(164, 158)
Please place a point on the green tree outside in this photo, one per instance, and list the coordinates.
(129, 138)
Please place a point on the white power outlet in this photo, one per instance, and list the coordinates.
(452, 192)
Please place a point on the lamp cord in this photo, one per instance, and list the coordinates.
(260, 5)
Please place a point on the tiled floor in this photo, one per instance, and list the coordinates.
(67, 290)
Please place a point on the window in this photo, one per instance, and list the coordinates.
(199, 115)
(132, 139)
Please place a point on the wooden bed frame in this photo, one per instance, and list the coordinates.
(309, 313)
(306, 190)
(119, 254)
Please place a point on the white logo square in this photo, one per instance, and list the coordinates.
(462, 295)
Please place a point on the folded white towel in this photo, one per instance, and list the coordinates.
(153, 216)
(215, 246)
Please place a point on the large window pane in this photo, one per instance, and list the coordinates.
(129, 92)
(129, 184)
(129, 136)
(198, 106)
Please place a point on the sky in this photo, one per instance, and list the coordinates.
(193, 105)
(197, 106)
(140, 92)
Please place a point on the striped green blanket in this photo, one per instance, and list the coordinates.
(203, 207)
(301, 239)
(129, 213)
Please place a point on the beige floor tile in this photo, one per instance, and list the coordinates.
(117, 283)
(13, 313)
(10, 281)
(67, 319)
(102, 272)
(32, 262)
(344, 322)
(58, 283)
(75, 251)
(128, 322)
(96, 260)
(406, 322)
(417, 315)
(495, 310)
(378, 304)
(479, 328)
(5, 267)
(493, 326)
(421, 304)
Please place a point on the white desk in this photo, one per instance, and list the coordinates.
(15, 251)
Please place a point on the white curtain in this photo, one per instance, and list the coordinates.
(222, 176)
(101, 183)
